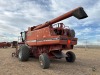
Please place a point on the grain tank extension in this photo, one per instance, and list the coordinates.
(47, 40)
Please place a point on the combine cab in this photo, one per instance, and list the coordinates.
(47, 40)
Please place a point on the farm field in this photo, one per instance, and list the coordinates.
(87, 63)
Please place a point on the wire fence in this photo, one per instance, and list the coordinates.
(85, 43)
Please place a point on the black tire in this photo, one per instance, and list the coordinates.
(72, 33)
(44, 61)
(23, 54)
(70, 56)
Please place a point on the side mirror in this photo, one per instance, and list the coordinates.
(21, 33)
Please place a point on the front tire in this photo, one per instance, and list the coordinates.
(70, 56)
(23, 54)
(44, 61)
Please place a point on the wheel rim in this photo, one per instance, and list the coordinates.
(41, 63)
(20, 54)
(69, 58)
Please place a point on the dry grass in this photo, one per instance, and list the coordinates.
(87, 63)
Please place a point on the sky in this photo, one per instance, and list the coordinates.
(18, 15)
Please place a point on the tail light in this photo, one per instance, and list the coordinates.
(69, 41)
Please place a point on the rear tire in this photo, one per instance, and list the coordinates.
(44, 61)
(23, 54)
(71, 56)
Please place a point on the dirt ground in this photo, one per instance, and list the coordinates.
(87, 63)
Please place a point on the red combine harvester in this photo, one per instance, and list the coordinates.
(47, 40)
(5, 44)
